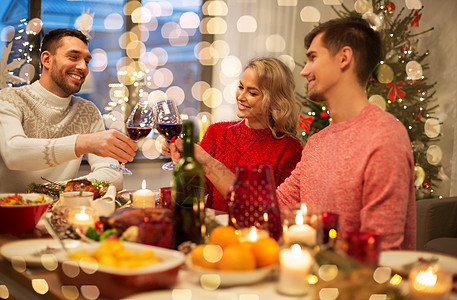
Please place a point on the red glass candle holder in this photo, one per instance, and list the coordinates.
(329, 222)
(363, 247)
(165, 197)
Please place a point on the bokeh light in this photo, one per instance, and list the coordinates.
(150, 148)
(181, 294)
(275, 43)
(328, 293)
(231, 66)
(70, 292)
(198, 89)
(162, 77)
(413, 4)
(215, 8)
(40, 286)
(141, 32)
(113, 21)
(229, 92)
(385, 74)
(212, 97)
(126, 38)
(7, 34)
(414, 70)
(221, 47)
(155, 96)
(135, 49)
(161, 54)
(214, 25)
(130, 7)
(210, 282)
(378, 100)
(310, 14)
(49, 262)
(4, 292)
(333, 2)
(90, 292)
(34, 26)
(287, 2)
(141, 15)
(288, 61)
(382, 274)
(246, 24)
(27, 72)
(176, 93)
(166, 8)
(99, 60)
(189, 20)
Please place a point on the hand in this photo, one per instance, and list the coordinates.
(109, 143)
(175, 149)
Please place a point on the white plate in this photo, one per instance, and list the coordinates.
(31, 251)
(232, 278)
(398, 259)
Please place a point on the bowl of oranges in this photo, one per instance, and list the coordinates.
(231, 259)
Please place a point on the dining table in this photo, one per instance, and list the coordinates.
(23, 281)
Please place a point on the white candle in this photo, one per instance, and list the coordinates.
(300, 233)
(295, 264)
(144, 197)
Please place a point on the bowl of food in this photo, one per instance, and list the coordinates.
(119, 269)
(20, 213)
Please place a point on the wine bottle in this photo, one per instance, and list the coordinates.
(188, 193)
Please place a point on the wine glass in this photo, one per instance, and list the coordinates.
(168, 124)
(139, 125)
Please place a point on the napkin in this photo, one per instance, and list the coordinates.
(105, 205)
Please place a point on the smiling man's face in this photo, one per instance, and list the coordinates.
(68, 66)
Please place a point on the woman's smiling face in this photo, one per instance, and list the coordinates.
(249, 99)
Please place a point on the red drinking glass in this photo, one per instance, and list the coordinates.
(252, 200)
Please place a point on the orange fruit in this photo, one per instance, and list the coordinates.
(198, 258)
(266, 252)
(237, 257)
(223, 236)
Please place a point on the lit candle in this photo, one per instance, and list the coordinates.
(295, 264)
(82, 218)
(252, 234)
(300, 233)
(427, 282)
(144, 197)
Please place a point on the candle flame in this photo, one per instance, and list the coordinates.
(82, 216)
(143, 184)
(425, 279)
(304, 208)
(265, 217)
(296, 250)
(299, 218)
(253, 234)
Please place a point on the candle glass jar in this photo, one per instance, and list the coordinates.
(303, 228)
(429, 281)
(252, 200)
(294, 268)
(81, 218)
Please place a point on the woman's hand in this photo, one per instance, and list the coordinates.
(171, 150)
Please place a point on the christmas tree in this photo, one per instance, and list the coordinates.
(398, 85)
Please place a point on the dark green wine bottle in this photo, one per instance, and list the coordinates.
(188, 193)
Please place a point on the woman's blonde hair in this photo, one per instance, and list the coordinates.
(277, 85)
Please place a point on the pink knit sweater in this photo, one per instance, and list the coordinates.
(234, 144)
(363, 170)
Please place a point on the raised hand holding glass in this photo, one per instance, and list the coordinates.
(139, 125)
(168, 124)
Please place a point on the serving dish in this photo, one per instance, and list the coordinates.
(118, 283)
(18, 219)
(231, 278)
(402, 261)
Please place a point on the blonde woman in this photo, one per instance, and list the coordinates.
(266, 133)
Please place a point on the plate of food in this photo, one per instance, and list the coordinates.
(118, 268)
(403, 261)
(32, 251)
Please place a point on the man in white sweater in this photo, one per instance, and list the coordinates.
(45, 130)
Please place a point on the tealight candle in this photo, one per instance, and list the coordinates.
(144, 197)
(428, 282)
(82, 217)
(294, 266)
(300, 233)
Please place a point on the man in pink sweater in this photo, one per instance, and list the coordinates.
(361, 166)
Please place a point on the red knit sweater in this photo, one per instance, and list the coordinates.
(362, 169)
(235, 144)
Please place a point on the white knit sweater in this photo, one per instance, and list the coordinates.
(38, 133)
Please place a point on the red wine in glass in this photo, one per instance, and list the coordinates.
(170, 131)
(136, 133)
